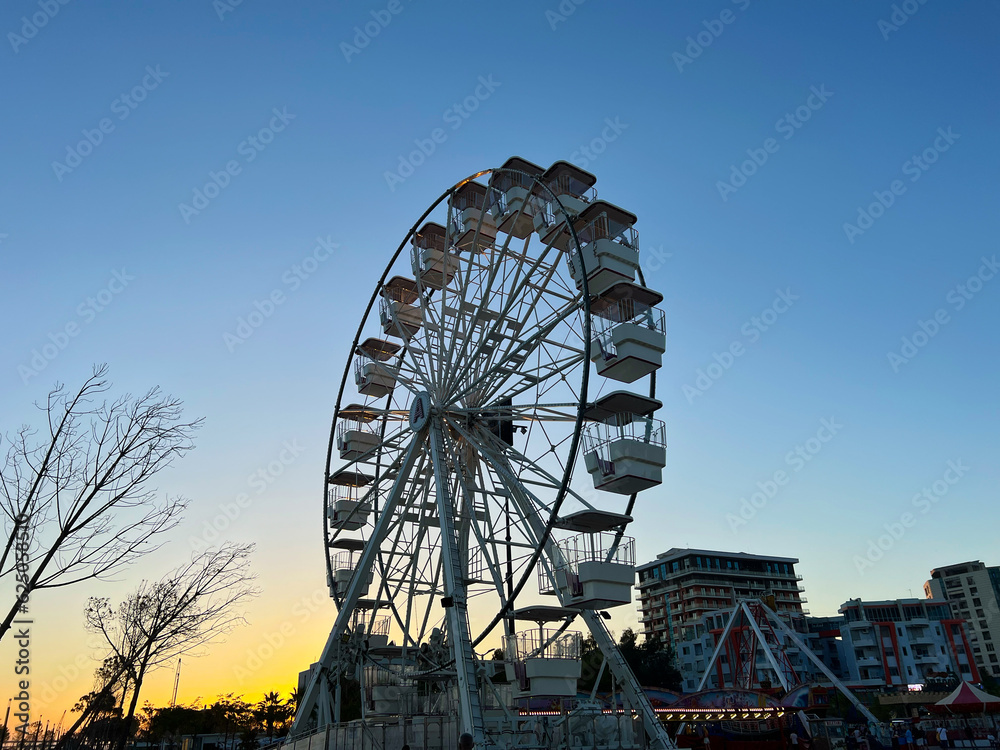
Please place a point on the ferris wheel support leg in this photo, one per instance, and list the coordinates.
(456, 612)
(620, 670)
(629, 686)
(317, 689)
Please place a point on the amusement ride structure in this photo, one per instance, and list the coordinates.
(492, 432)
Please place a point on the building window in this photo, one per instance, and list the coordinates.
(977, 603)
(980, 613)
(993, 658)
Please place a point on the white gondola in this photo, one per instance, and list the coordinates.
(398, 311)
(543, 662)
(597, 571)
(625, 454)
(472, 215)
(356, 435)
(432, 261)
(609, 244)
(346, 508)
(373, 374)
(344, 565)
(513, 208)
(629, 332)
(376, 631)
(574, 188)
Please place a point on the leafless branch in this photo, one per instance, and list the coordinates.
(76, 498)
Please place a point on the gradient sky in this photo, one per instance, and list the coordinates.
(687, 116)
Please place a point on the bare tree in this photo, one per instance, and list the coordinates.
(77, 500)
(179, 614)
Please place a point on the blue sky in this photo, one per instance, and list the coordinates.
(685, 115)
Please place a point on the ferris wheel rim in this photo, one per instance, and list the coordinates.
(563, 492)
(584, 295)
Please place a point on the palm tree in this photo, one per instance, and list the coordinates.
(272, 712)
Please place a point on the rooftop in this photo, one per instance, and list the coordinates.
(958, 569)
(676, 553)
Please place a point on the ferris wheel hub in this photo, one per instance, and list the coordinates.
(420, 411)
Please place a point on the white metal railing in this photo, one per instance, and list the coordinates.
(346, 424)
(343, 492)
(626, 311)
(598, 436)
(399, 293)
(603, 227)
(430, 240)
(345, 560)
(568, 184)
(359, 368)
(470, 199)
(506, 179)
(596, 547)
(543, 643)
(370, 623)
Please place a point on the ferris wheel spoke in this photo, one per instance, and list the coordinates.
(526, 303)
(541, 383)
(513, 298)
(530, 510)
(409, 376)
(493, 452)
(398, 548)
(472, 512)
(419, 577)
(502, 370)
(510, 455)
(497, 267)
(467, 267)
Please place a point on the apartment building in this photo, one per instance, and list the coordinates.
(693, 656)
(973, 589)
(682, 585)
(904, 642)
(873, 645)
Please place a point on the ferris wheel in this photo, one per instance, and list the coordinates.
(457, 516)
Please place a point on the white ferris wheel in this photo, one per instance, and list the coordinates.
(457, 517)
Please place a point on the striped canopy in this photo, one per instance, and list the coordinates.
(969, 699)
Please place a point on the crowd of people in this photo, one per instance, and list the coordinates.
(919, 738)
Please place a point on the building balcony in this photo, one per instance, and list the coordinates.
(869, 661)
(786, 599)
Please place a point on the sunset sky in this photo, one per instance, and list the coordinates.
(816, 191)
